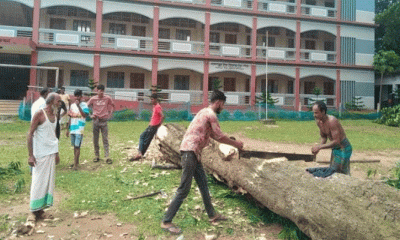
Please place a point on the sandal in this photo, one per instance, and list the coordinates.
(174, 230)
(218, 218)
(109, 161)
(96, 159)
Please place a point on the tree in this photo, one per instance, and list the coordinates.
(387, 34)
(92, 85)
(266, 98)
(342, 207)
(385, 62)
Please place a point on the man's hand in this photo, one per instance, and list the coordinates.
(57, 158)
(239, 145)
(77, 102)
(32, 161)
(315, 149)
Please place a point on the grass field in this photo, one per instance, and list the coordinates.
(104, 189)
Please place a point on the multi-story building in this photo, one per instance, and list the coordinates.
(185, 45)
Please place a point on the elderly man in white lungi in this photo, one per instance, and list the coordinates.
(43, 156)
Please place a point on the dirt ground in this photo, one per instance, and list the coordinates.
(92, 226)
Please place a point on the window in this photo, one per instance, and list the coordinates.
(309, 34)
(289, 33)
(119, 29)
(248, 40)
(329, 88)
(311, 2)
(79, 78)
(181, 82)
(290, 87)
(81, 26)
(178, 22)
(273, 30)
(214, 37)
(127, 17)
(51, 78)
(163, 33)
(115, 79)
(290, 43)
(182, 34)
(227, 27)
(309, 87)
(230, 38)
(329, 46)
(272, 86)
(271, 41)
(310, 44)
(163, 81)
(247, 87)
(330, 4)
(70, 11)
(212, 81)
(229, 84)
(139, 31)
(58, 23)
(137, 80)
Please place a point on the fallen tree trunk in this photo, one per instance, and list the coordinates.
(341, 207)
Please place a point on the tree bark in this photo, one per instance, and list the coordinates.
(341, 207)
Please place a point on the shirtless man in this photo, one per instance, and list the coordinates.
(331, 129)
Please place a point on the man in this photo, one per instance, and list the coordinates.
(40, 102)
(77, 113)
(331, 129)
(103, 108)
(156, 120)
(204, 125)
(67, 101)
(43, 156)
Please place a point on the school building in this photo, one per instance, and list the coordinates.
(184, 46)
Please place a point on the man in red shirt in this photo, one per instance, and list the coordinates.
(103, 108)
(156, 120)
(204, 125)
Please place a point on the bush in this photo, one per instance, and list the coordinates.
(251, 116)
(390, 116)
(224, 115)
(238, 115)
(124, 115)
(145, 115)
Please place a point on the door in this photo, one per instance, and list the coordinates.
(137, 80)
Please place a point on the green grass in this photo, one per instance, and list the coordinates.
(102, 188)
(363, 134)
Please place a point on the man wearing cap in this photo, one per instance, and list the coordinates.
(156, 120)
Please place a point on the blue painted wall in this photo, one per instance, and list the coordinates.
(365, 5)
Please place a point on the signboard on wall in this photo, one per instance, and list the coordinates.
(224, 66)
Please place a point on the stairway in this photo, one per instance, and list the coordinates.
(9, 108)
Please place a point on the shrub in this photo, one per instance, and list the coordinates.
(238, 115)
(145, 115)
(124, 115)
(390, 116)
(224, 115)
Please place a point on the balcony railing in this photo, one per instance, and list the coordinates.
(242, 4)
(317, 56)
(287, 54)
(276, 6)
(308, 99)
(127, 42)
(187, 1)
(230, 50)
(15, 31)
(63, 37)
(180, 46)
(318, 11)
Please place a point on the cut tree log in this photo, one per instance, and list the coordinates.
(340, 207)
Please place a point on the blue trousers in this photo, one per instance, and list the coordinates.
(146, 137)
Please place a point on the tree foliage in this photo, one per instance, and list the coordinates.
(388, 18)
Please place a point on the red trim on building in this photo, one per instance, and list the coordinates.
(338, 89)
(154, 71)
(99, 24)
(35, 21)
(255, 6)
(298, 41)
(297, 90)
(254, 40)
(338, 10)
(33, 71)
(96, 68)
(338, 45)
(253, 84)
(155, 28)
(205, 83)
(207, 35)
